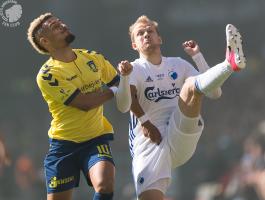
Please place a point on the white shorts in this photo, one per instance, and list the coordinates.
(183, 145)
(152, 162)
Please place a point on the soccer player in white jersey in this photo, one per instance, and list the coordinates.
(167, 94)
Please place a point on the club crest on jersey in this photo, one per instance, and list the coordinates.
(149, 79)
(92, 66)
(173, 75)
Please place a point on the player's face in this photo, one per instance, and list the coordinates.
(146, 38)
(56, 34)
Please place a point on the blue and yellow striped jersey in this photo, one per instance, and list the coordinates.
(60, 82)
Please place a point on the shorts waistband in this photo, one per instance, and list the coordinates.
(105, 137)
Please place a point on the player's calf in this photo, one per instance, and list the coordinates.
(235, 60)
(190, 99)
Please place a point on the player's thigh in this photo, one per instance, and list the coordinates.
(98, 166)
(61, 172)
(66, 195)
(102, 176)
(151, 195)
(183, 144)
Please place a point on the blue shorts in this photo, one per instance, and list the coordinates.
(65, 160)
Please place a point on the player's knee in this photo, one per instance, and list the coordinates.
(105, 186)
(189, 90)
(181, 160)
(189, 96)
(184, 159)
(215, 94)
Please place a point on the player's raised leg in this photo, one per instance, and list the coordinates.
(235, 61)
(193, 88)
(187, 119)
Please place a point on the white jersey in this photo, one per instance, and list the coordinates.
(158, 89)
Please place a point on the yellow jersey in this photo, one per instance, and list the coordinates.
(60, 82)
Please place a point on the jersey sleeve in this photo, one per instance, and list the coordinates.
(134, 76)
(189, 69)
(53, 85)
(109, 74)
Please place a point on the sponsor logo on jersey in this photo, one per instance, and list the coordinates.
(51, 80)
(149, 79)
(55, 182)
(157, 94)
(173, 75)
(92, 86)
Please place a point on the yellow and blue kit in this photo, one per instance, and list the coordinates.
(78, 139)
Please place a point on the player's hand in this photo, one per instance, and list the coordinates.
(151, 132)
(191, 47)
(125, 68)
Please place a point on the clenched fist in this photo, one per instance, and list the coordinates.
(125, 68)
(191, 47)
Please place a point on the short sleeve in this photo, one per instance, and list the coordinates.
(109, 74)
(56, 87)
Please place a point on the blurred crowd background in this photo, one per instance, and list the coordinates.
(229, 163)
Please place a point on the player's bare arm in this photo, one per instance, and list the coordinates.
(91, 100)
(94, 99)
(149, 129)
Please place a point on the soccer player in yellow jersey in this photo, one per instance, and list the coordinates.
(71, 83)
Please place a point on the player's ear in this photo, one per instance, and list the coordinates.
(134, 46)
(43, 41)
(161, 41)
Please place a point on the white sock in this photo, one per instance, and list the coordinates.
(213, 77)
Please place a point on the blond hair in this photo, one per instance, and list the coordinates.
(33, 29)
(145, 20)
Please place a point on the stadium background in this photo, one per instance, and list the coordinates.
(102, 26)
